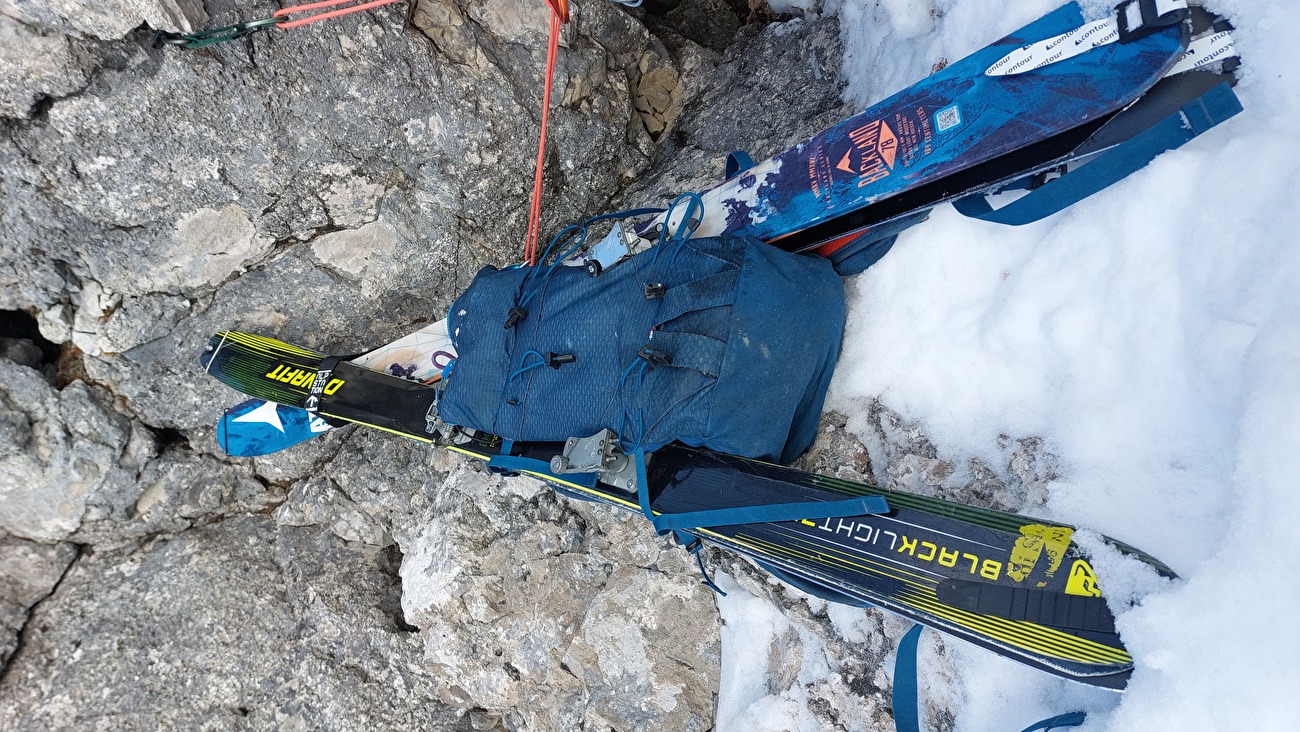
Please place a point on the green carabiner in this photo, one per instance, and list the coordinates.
(216, 35)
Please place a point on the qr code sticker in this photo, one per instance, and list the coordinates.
(947, 118)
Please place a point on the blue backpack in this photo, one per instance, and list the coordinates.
(725, 343)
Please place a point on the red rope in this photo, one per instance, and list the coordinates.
(561, 8)
(535, 213)
(322, 16)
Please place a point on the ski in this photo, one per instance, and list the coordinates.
(283, 375)
(1015, 585)
(312, 383)
(967, 128)
(281, 372)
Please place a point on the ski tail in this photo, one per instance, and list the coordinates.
(261, 367)
(271, 370)
(279, 373)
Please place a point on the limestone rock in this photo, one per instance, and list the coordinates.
(115, 18)
(33, 63)
(745, 104)
(57, 449)
(28, 573)
(556, 616)
(232, 625)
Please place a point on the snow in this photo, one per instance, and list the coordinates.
(1151, 335)
(752, 628)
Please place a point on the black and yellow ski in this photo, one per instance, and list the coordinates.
(1017, 586)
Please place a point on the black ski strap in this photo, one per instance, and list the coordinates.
(1140, 18)
(735, 515)
(324, 373)
(1193, 118)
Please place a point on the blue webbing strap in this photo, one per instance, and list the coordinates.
(1193, 118)
(906, 695)
(861, 506)
(515, 463)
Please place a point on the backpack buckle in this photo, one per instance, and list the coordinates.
(654, 357)
(555, 360)
(516, 314)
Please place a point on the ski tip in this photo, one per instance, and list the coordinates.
(223, 433)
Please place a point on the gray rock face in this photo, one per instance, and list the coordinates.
(48, 48)
(57, 450)
(568, 617)
(33, 64)
(29, 572)
(106, 20)
(336, 186)
(240, 625)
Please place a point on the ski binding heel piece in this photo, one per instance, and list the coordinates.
(600, 454)
(617, 245)
(441, 432)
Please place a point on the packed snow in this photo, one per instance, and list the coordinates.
(1151, 335)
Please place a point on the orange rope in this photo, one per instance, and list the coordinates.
(535, 213)
(322, 16)
(561, 8)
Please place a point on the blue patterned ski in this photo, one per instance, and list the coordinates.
(937, 134)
